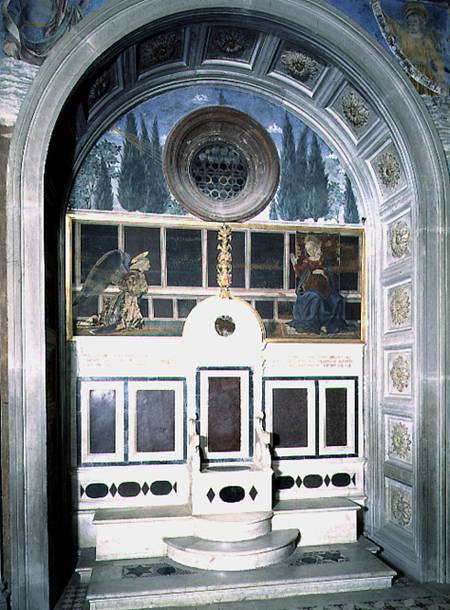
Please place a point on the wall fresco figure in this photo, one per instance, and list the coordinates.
(420, 44)
(33, 27)
(319, 306)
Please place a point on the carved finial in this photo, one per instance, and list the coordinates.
(224, 268)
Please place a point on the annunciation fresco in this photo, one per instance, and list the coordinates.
(140, 262)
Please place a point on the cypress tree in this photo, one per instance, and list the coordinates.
(301, 177)
(146, 151)
(104, 197)
(351, 214)
(317, 182)
(160, 194)
(131, 189)
(284, 207)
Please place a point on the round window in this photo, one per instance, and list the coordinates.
(221, 164)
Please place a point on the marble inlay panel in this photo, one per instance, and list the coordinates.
(399, 307)
(388, 171)
(398, 240)
(399, 439)
(399, 499)
(398, 366)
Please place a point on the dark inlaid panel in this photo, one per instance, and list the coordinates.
(224, 414)
(96, 240)
(155, 420)
(145, 239)
(184, 254)
(102, 421)
(267, 254)
(336, 417)
(290, 417)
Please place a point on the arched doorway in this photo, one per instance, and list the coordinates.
(397, 168)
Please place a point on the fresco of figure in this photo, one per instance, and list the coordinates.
(420, 45)
(319, 306)
(33, 27)
(117, 268)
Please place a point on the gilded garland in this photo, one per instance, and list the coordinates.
(224, 266)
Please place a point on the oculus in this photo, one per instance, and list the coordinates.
(221, 165)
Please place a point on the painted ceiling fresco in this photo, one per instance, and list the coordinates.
(123, 171)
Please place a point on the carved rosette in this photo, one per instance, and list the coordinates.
(400, 373)
(160, 48)
(299, 65)
(400, 441)
(224, 266)
(230, 41)
(355, 109)
(399, 239)
(388, 170)
(400, 306)
(101, 85)
(401, 506)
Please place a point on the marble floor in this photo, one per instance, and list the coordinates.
(164, 573)
(403, 595)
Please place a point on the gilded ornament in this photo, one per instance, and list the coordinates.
(400, 441)
(400, 306)
(355, 110)
(224, 267)
(400, 235)
(400, 373)
(299, 65)
(230, 41)
(388, 169)
(401, 509)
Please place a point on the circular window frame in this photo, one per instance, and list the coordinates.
(221, 125)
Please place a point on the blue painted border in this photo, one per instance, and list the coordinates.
(126, 461)
(316, 380)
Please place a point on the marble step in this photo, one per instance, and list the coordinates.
(233, 527)
(138, 584)
(232, 556)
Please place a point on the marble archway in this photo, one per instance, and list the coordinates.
(399, 170)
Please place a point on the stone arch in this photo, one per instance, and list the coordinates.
(422, 196)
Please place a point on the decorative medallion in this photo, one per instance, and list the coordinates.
(399, 238)
(221, 164)
(355, 110)
(159, 49)
(400, 373)
(400, 441)
(299, 65)
(401, 509)
(400, 306)
(224, 268)
(388, 170)
(230, 41)
(101, 85)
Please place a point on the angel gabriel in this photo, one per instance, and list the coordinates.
(117, 268)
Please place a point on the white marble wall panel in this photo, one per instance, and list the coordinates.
(398, 240)
(399, 503)
(399, 440)
(398, 373)
(398, 307)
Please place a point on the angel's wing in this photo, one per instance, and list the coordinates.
(108, 270)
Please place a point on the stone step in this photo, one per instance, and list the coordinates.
(233, 527)
(138, 584)
(232, 556)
